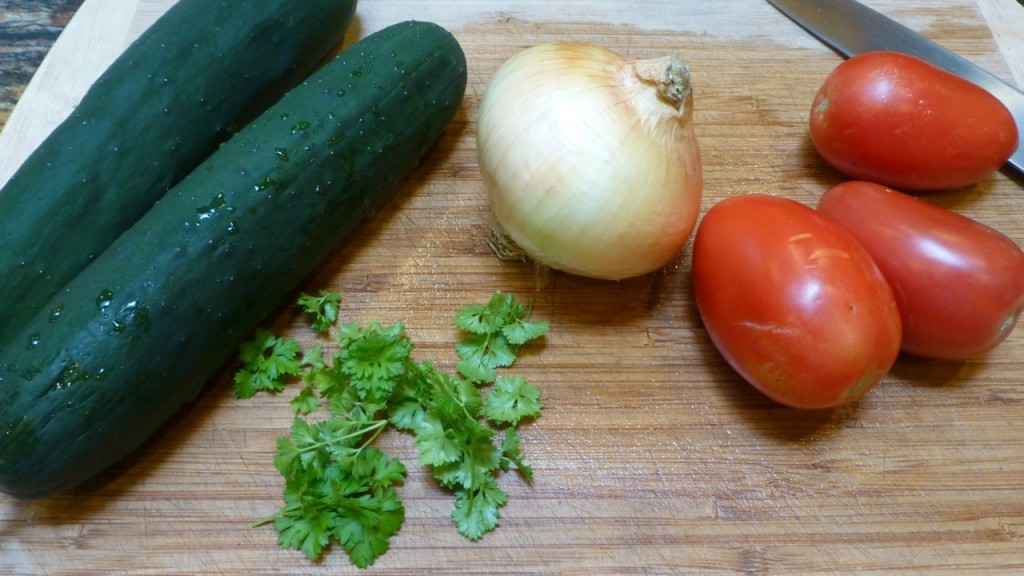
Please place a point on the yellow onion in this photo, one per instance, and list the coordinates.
(590, 159)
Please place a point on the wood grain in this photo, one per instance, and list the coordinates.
(652, 457)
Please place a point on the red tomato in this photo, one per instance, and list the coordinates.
(894, 119)
(959, 284)
(793, 302)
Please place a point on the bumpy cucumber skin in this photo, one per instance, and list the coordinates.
(153, 116)
(137, 334)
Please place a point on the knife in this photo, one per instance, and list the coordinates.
(850, 28)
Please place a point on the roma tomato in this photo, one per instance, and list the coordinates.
(894, 119)
(793, 302)
(959, 284)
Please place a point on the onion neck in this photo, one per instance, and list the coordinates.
(659, 88)
(676, 85)
(670, 75)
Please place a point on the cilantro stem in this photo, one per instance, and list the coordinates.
(376, 427)
(451, 393)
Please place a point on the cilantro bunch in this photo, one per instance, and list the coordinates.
(338, 486)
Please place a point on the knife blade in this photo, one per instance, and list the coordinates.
(851, 28)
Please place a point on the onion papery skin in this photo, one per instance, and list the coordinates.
(587, 169)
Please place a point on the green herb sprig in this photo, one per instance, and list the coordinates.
(338, 486)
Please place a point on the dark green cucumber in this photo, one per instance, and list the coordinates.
(160, 109)
(140, 330)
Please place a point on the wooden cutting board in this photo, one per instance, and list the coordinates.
(652, 456)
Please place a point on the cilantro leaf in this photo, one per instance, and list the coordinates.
(370, 511)
(314, 358)
(405, 411)
(495, 332)
(268, 362)
(366, 524)
(386, 471)
(328, 380)
(449, 398)
(512, 399)
(374, 358)
(477, 511)
(511, 456)
(477, 460)
(500, 310)
(406, 414)
(306, 401)
(302, 528)
(376, 352)
(504, 308)
(475, 319)
(299, 450)
(522, 331)
(287, 457)
(489, 350)
(322, 309)
(475, 371)
(436, 445)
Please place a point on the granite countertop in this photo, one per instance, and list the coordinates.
(28, 28)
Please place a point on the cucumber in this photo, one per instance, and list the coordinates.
(161, 108)
(138, 332)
